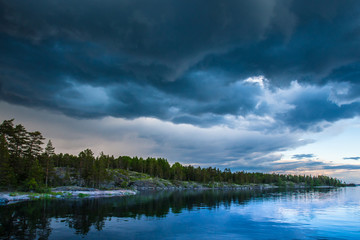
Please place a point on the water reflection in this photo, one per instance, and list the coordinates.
(38, 219)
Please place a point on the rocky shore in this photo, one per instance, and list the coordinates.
(63, 193)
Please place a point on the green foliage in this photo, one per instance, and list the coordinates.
(82, 195)
(7, 175)
(31, 184)
(44, 190)
(177, 171)
(124, 184)
(35, 175)
(56, 193)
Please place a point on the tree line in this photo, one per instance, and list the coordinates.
(25, 163)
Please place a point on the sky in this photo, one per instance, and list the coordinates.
(260, 85)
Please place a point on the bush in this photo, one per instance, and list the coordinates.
(43, 190)
(82, 195)
(31, 185)
(56, 193)
(124, 184)
(68, 195)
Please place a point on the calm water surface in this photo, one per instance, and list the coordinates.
(311, 214)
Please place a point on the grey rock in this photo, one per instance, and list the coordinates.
(3, 201)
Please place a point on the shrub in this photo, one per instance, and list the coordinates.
(31, 184)
(82, 195)
(43, 190)
(124, 184)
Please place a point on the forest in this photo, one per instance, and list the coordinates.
(25, 164)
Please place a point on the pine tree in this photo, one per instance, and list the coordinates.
(50, 150)
(87, 162)
(49, 153)
(34, 142)
(7, 176)
(19, 141)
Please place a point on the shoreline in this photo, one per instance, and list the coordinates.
(75, 192)
(14, 197)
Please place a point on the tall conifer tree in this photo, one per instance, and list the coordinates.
(7, 176)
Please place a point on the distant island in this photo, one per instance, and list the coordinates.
(26, 166)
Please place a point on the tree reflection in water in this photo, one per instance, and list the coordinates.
(32, 219)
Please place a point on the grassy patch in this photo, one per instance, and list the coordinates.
(56, 193)
(13, 194)
(47, 196)
(68, 195)
(82, 195)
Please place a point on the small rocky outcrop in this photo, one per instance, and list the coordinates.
(140, 184)
(72, 188)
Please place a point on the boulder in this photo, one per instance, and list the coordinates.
(3, 200)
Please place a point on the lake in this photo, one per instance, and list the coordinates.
(211, 214)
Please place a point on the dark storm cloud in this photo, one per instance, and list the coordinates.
(162, 30)
(181, 61)
(313, 106)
